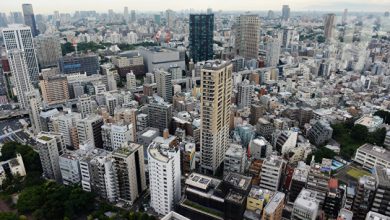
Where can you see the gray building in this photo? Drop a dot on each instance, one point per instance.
(50, 147)
(164, 85)
(162, 58)
(320, 133)
(48, 50)
(159, 115)
(29, 18)
(235, 159)
(381, 203)
(86, 63)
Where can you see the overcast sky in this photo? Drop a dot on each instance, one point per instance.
(48, 6)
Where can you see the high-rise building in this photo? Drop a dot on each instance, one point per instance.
(50, 147)
(320, 133)
(365, 194)
(333, 199)
(164, 85)
(21, 79)
(29, 18)
(133, 16)
(131, 83)
(345, 17)
(329, 26)
(285, 12)
(126, 13)
(248, 36)
(244, 94)
(48, 50)
(19, 37)
(66, 125)
(90, 129)
(381, 203)
(164, 177)
(115, 135)
(274, 208)
(318, 178)
(273, 52)
(216, 87)
(201, 36)
(54, 89)
(272, 173)
(170, 18)
(130, 171)
(85, 105)
(35, 106)
(298, 181)
(159, 115)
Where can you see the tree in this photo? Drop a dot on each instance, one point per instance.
(8, 216)
(144, 216)
(359, 132)
(30, 199)
(132, 216)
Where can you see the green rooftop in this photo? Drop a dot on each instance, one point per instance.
(45, 138)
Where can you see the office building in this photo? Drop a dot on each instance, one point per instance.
(201, 36)
(70, 168)
(285, 12)
(320, 133)
(90, 129)
(164, 85)
(216, 87)
(235, 159)
(66, 125)
(48, 50)
(381, 203)
(273, 210)
(21, 79)
(369, 156)
(54, 89)
(248, 36)
(130, 171)
(76, 63)
(164, 177)
(329, 26)
(129, 61)
(19, 37)
(50, 147)
(271, 175)
(244, 94)
(159, 115)
(365, 194)
(305, 206)
(170, 18)
(29, 18)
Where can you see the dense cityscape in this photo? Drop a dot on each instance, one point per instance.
(194, 114)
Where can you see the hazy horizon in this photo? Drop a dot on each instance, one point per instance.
(66, 6)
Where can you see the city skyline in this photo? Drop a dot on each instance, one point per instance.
(48, 7)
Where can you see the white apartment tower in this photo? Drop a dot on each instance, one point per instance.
(248, 36)
(21, 79)
(50, 147)
(273, 52)
(244, 94)
(19, 37)
(216, 87)
(85, 105)
(271, 173)
(164, 177)
(131, 83)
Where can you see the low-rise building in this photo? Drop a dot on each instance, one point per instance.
(369, 156)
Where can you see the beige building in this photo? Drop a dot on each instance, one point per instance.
(54, 89)
(274, 208)
(248, 36)
(216, 89)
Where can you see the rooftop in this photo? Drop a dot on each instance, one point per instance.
(199, 181)
(215, 64)
(238, 180)
(274, 203)
(307, 199)
(383, 176)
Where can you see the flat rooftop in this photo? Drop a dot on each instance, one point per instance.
(376, 151)
(238, 180)
(274, 203)
(307, 199)
(199, 181)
